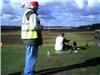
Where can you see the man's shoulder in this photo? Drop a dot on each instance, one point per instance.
(60, 37)
(28, 11)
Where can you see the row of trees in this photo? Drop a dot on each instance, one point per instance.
(90, 27)
(87, 27)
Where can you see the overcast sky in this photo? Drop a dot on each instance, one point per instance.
(53, 12)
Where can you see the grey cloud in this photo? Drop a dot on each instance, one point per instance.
(14, 14)
(58, 13)
(73, 13)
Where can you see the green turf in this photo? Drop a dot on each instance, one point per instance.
(13, 59)
(13, 55)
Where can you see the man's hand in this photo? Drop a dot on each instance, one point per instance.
(68, 40)
(41, 27)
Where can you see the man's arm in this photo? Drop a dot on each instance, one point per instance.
(33, 20)
(65, 40)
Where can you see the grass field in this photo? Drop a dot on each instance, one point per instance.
(85, 62)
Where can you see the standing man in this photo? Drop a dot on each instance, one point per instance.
(31, 33)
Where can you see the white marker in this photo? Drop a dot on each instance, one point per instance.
(48, 54)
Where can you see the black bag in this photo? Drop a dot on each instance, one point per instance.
(39, 39)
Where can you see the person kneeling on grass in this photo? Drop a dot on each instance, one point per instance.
(62, 43)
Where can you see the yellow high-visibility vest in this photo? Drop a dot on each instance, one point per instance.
(28, 33)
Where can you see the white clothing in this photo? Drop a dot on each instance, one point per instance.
(33, 20)
(59, 43)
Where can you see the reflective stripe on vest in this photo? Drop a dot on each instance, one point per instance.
(28, 32)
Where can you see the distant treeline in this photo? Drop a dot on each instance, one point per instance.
(5, 28)
(90, 27)
(83, 28)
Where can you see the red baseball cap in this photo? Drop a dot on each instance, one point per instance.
(34, 3)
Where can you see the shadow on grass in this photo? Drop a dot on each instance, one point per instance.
(87, 63)
(17, 73)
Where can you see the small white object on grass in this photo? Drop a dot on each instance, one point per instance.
(48, 53)
(78, 48)
(75, 51)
